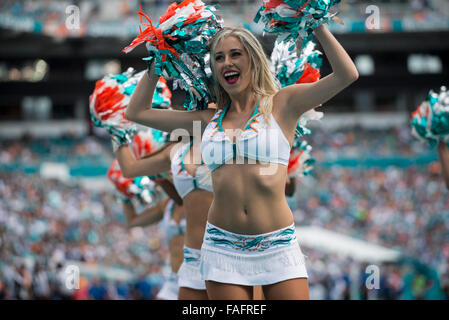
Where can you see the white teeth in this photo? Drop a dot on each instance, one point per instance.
(230, 74)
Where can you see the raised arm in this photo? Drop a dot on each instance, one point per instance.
(443, 154)
(149, 216)
(139, 109)
(170, 190)
(132, 167)
(299, 98)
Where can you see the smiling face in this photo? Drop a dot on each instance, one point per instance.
(240, 68)
(232, 65)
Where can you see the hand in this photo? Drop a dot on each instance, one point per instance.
(338, 20)
(192, 90)
(442, 145)
(153, 53)
(119, 137)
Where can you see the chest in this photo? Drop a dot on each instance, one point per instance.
(234, 125)
(192, 161)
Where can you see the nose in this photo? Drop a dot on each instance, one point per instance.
(228, 60)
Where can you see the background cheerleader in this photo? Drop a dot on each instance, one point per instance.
(430, 123)
(167, 212)
(196, 195)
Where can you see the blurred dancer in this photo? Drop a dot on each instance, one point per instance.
(169, 212)
(107, 105)
(430, 124)
(192, 183)
(172, 220)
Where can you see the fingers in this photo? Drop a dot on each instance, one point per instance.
(338, 20)
(193, 90)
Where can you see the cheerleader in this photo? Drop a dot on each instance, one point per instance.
(107, 104)
(168, 212)
(250, 235)
(170, 217)
(430, 124)
(191, 182)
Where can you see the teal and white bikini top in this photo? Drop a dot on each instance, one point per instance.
(170, 227)
(258, 141)
(183, 181)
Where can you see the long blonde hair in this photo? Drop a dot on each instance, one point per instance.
(263, 82)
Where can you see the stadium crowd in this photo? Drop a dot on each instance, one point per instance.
(119, 17)
(402, 209)
(359, 142)
(65, 149)
(46, 223)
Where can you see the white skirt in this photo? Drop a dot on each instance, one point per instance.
(189, 275)
(170, 289)
(251, 260)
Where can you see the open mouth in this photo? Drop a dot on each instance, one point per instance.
(231, 77)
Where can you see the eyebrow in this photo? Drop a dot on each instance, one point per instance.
(232, 50)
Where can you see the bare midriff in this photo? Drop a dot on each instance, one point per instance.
(250, 198)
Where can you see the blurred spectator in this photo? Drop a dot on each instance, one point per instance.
(83, 292)
(41, 284)
(3, 294)
(22, 283)
(61, 290)
(122, 290)
(98, 290)
(143, 289)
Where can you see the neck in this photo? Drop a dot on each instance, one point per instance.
(243, 102)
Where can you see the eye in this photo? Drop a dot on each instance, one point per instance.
(235, 54)
(219, 57)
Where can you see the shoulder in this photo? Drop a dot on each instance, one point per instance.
(207, 114)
